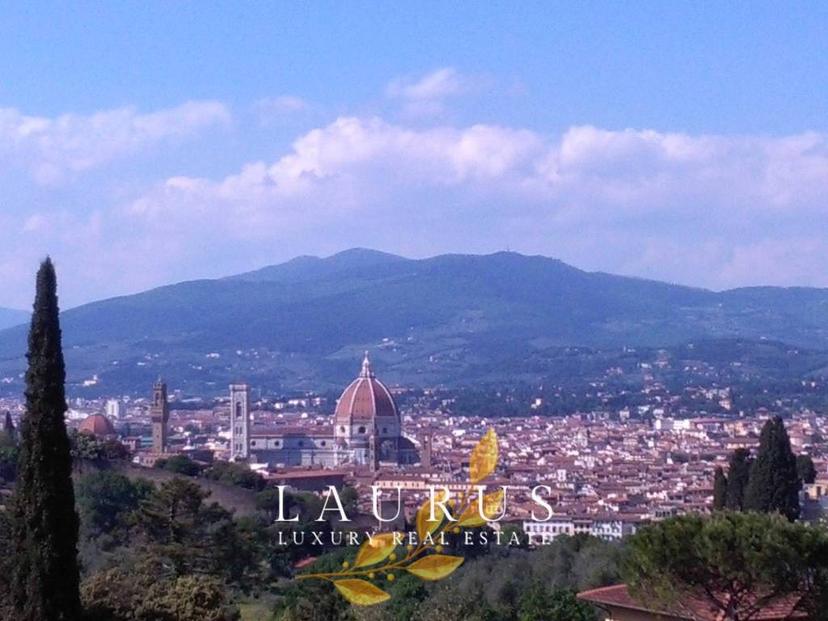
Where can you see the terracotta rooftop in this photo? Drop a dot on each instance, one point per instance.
(98, 425)
(693, 609)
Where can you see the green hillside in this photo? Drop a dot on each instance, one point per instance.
(303, 324)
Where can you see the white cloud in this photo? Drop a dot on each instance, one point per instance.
(630, 172)
(50, 148)
(637, 201)
(349, 162)
(438, 84)
(709, 210)
(272, 109)
(426, 95)
(282, 104)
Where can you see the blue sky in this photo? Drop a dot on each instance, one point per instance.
(145, 143)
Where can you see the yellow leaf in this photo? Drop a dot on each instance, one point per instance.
(435, 566)
(484, 457)
(375, 549)
(360, 592)
(491, 508)
(425, 525)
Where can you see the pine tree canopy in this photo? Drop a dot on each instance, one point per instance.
(740, 564)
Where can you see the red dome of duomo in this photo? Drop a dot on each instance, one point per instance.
(365, 399)
(97, 425)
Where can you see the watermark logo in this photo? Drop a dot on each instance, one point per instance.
(383, 555)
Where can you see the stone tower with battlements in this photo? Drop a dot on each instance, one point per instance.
(160, 415)
(425, 453)
(239, 421)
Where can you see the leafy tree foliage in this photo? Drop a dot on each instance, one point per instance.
(8, 426)
(8, 459)
(539, 603)
(349, 497)
(408, 594)
(317, 602)
(239, 475)
(106, 501)
(191, 536)
(774, 481)
(7, 562)
(508, 584)
(86, 446)
(193, 598)
(172, 555)
(268, 501)
(738, 563)
(179, 464)
(8, 450)
(142, 593)
(44, 529)
(512, 531)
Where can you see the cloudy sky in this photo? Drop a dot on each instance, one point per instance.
(145, 145)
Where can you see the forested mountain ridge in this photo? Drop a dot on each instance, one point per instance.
(448, 318)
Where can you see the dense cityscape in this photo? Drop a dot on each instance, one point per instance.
(609, 470)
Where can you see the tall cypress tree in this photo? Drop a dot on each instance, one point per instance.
(8, 426)
(806, 469)
(774, 481)
(719, 489)
(738, 475)
(45, 578)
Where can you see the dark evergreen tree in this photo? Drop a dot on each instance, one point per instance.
(738, 475)
(44, 530)
(774, 481)
(719, 489)
(8, 426)
(188, 535)
(806, 469)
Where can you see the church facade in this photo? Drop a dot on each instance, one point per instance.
(366, 431)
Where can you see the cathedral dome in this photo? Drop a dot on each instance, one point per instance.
(98, 425)
(365, 399)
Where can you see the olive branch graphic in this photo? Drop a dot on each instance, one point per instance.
(376, 556)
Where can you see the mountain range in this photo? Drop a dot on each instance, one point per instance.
(303, 324)
(11, 317)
